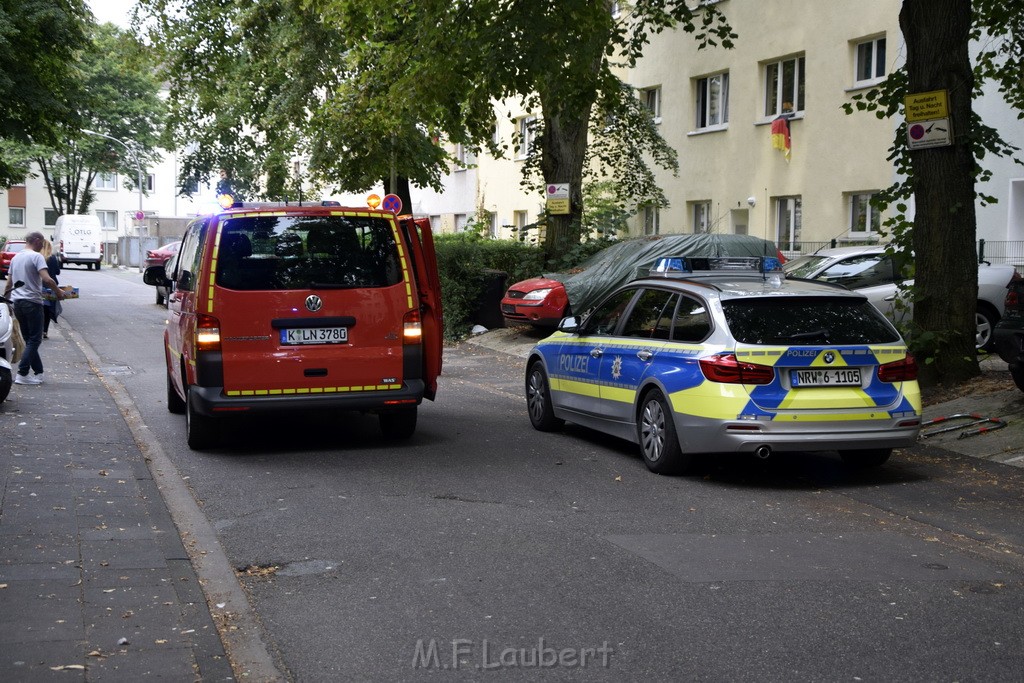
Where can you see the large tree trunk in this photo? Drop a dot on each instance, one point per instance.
(563, 151)
(946, 276)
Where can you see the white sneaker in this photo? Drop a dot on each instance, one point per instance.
(25, 379)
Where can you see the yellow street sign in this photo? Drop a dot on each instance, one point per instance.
(926, 105)
(558, 207)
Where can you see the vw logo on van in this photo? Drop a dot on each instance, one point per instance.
(313, 303)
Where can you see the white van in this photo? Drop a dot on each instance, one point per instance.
(79, 239)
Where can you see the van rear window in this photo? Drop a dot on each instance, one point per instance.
(307, 252)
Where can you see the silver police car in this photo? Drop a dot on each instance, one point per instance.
(723, 355)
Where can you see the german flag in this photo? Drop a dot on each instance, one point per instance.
(780, 135)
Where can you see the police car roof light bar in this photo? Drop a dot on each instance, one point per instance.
(682, 265)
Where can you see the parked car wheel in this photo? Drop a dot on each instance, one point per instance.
(870, 457)
(538, 400)
(987, 319)
(201, 431)
(656, 432)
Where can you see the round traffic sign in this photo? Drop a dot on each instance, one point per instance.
(917, 131)
(392, 203)
(139, 215)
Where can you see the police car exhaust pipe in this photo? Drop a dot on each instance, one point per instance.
(763, 452)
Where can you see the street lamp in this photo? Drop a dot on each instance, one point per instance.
(138, 167)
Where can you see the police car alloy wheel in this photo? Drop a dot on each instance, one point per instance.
(656, 433)
(538, 400)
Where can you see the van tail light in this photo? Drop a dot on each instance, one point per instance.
(207, 333)
(727, 369)
(904, 370)
(412, 328)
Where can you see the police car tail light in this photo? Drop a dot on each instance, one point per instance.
(727, 369)
(207, 333)
(904, 370)
(412, 328)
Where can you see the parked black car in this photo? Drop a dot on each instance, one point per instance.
(1009, 333)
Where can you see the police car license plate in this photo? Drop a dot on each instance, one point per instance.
(315, 335)
(822, 377)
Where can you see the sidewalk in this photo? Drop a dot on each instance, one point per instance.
(95, 583)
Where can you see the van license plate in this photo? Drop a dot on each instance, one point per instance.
(315, 335)
(821, 377)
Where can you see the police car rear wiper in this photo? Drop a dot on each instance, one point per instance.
(813, 334)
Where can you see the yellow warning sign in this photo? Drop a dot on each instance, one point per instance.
(558, 207)
(926, 105)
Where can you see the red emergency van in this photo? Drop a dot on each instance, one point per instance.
(297, 307)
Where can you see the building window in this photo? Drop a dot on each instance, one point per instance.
(864, 218)
(713, 101)
(435, 223)
(701, 217)
(150, 182)
(464, 157)
(784, 87)
(491, 220)
(870, 62)
(651, 99)
(787, 223)
(16, 217)
(616, 9)
(105, 181)
(49, 217)
(108, 219)
(652, 220)
(527, 135)
(519, 220)
(460, 222)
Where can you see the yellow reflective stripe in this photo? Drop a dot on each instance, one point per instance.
(404, 261)
(310, 390)
(213, 269)
(711, 400)
(574, 387)
(618, 394)
(824, 398)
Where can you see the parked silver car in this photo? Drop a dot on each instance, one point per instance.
(870, 271)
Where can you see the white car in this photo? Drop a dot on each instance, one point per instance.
(870, 271)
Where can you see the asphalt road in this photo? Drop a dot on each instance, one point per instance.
(482, 548)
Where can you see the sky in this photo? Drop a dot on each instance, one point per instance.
(114, 11)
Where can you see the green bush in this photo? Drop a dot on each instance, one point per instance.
(462, 260)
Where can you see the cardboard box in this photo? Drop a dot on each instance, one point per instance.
(69, 292)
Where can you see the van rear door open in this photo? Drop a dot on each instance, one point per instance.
(418, 235)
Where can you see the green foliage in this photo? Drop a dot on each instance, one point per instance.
(367, 90)
(603, 215)
(462, 261)
(998, 32)
(39, 44)
(118, 97)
